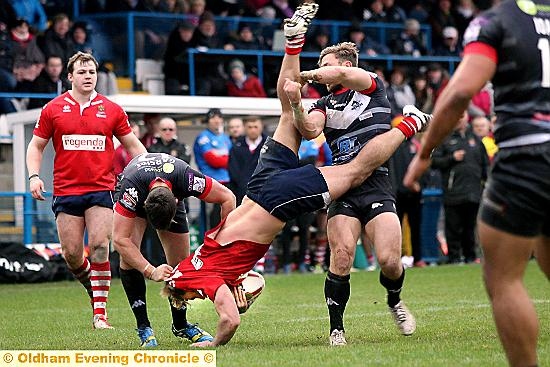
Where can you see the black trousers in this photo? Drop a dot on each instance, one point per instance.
(460, 223)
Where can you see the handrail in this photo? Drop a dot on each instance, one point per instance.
(28, 212)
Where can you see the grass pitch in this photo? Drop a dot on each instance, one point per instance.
(288, 324)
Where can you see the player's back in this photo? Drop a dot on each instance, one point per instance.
(519, 32)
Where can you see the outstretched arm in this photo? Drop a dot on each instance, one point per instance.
(229, 318)
(350, 77)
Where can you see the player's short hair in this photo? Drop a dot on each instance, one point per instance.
(82, 58)
(160, 207)
(344, 51)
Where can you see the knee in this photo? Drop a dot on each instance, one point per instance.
(73, 259)
(342, 259)
(391, 265)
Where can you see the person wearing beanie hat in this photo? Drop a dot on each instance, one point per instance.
(241, 84)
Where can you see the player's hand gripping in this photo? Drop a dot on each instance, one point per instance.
(160, 273)
(240, 299)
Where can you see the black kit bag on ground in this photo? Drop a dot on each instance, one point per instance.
(18, 264)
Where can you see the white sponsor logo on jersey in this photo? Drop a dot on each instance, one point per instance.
(199, 184)
(84, 142)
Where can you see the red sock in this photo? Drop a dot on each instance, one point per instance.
(100, 277)
(82, 274)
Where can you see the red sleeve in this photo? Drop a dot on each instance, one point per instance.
(123, 211)
(216, 161)
(481, 48)
(43, 127)
(207, 189)
(371, 89)
(122, 125)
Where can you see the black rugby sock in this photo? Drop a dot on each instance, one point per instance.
(134, 287)
(393, 287)
(337, 291)
(179, 317)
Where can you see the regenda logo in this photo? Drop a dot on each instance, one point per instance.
(84, 142)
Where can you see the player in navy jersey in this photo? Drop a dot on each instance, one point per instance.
(509, 45)
(152, 187)
(279, 190)
(356, 110)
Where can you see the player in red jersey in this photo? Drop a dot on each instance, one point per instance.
(279, 190)
(81, 124)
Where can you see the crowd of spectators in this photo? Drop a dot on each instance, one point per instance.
(31, 32)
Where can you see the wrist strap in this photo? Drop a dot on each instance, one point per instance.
(33, 176)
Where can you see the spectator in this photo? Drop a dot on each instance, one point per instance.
(235, 128)
(79, 35)
(423, 93)
(394, 13)
(176, 62)
(437, 79)
(450, 46)
(50, 80)
(241, 84)
(24, 47)
(482, 103)
(410, 41)
(205, 37)
(197, 9)
(168, 142)
(481, 126)
(122, 156)
(375, 12)
(366, 44)
(244, 155)
(7, 79)
(244, 40)
(56, 40)
(442, 16)
(407, 201)
(152, 130)
(463, 162)
(399, 92)
(211, 151)
(32, 11)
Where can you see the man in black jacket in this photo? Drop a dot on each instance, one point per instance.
(244, 155)
(463, 162)
(50, 80)
(167, 143)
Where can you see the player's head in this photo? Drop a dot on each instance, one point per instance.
(178, 298)
(81, 58)
(341, 54)
(160, 207)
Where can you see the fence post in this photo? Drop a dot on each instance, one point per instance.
(27, 218)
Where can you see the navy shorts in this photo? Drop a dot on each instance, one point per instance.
(517, 195)
(282, 187)
(365, 202)
(77, 204)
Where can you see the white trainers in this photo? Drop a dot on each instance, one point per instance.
(403, 318)
(297, 25)
(420, 117)
(100, 322)
(337, 338)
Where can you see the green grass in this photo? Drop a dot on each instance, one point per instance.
(288, 325)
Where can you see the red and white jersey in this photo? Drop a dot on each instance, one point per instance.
(82, 138)
(213, 265)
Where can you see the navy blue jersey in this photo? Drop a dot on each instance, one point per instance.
(517, 34)
(144, 169)
(353, 118)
